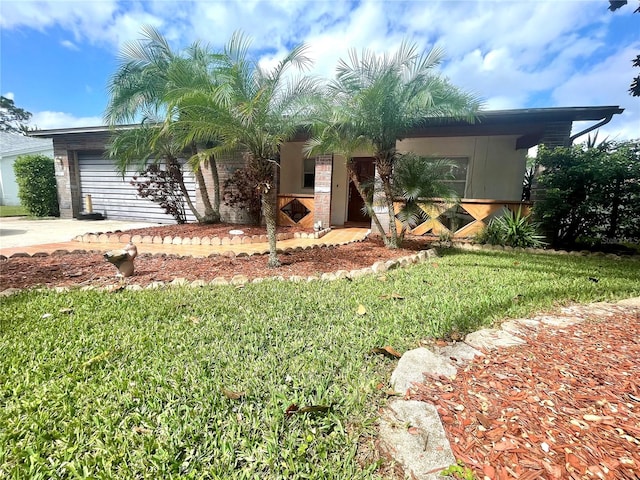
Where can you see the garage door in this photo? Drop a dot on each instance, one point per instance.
(114, 196)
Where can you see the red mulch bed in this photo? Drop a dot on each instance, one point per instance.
(566, 405)
(213, 230)
(90, 268)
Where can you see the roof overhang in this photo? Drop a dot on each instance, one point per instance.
(66, 131)
(528, 124)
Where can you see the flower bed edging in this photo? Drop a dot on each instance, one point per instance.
(238, 280)
(123, 237)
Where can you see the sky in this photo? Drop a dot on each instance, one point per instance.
(57, 56)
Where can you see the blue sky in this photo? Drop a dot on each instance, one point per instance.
(57, 55)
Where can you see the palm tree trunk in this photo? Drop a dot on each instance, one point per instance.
(356, 183)
(384, 167)
(204, 195)
(213, 165)
(269, 198)
(185, 194)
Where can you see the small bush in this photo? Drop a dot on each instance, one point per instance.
(35, 176)
(163, 187)
(511, 229)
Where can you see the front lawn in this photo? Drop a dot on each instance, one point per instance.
(196, 383)
(12, 211)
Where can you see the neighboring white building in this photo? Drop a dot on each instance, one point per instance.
(11, 147)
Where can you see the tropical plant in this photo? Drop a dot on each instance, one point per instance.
(251, 109)
(420, 181)
(381, 98)
(37, 190)
(512, 229)
(139, 88)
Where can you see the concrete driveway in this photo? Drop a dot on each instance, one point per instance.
(23, 231)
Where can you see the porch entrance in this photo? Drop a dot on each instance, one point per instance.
(365, 169)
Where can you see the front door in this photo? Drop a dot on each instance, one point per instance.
(365, 170)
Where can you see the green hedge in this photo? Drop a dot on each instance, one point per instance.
(35, 175)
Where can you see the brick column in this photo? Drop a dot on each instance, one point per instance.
(322, 190)
(65, 164)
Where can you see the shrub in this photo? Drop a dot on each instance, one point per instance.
(35, 176)
(511, 229)
(163, 187)
(590, 192)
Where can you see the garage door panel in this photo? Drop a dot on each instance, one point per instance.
(113, 195)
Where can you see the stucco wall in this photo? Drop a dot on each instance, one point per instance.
(495, 170)
(291, 165)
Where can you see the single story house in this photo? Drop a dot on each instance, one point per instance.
(13, 145)
(490, 155)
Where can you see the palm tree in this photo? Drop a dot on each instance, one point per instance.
(383, 97)
(254, 110)
(140, 86)
(421, 181)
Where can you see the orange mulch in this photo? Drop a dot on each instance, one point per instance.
(564, 406)
(90, 268)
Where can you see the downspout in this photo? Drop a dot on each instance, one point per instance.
(606, 120)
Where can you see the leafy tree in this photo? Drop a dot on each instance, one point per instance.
(251, 109)
(37, 190)
(382, 98)
(591, 193)
(12, 118)
(140, 87)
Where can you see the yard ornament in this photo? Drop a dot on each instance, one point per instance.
(123, 259)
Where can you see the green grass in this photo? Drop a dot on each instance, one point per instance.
(131, 384)
(12, 211)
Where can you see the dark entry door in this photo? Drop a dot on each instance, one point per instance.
(365, 169)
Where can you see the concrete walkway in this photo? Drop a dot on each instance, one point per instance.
(334, 237)
(25, 231)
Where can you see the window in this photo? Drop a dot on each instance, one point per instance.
(309, 173)
(459, 171)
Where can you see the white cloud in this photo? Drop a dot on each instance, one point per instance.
(48, 120)
(9, 95)
(69, 44)
(513, 54)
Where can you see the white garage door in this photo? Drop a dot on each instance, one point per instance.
(114, 196)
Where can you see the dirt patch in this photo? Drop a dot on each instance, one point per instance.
(90, 268)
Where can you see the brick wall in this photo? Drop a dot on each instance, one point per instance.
(322, 190)
(227, 165)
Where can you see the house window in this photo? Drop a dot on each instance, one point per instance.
(459, 167)
(309, 173)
